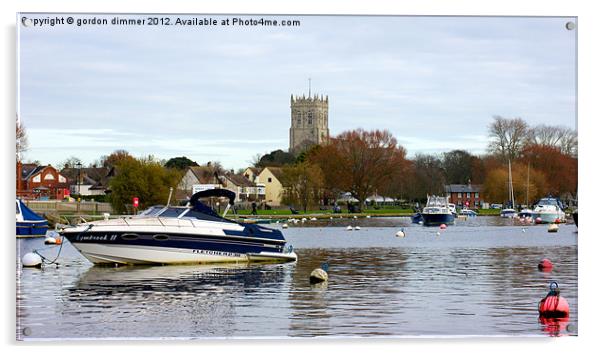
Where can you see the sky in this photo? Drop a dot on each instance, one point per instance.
(222, 93)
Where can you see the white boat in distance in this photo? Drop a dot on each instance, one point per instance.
(548, 211)
(509, 212)
(178, 235)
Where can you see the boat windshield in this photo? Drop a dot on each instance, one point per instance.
(547, 201)
(152, 211)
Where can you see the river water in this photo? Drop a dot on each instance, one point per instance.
(478, 277)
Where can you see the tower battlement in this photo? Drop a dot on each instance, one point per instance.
(309, 121)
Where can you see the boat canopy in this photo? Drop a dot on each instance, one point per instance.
(217, 192)
(28, 214)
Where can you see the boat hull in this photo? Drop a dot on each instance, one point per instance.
(25, 228)
(168, 248)
(437, 219)
(549, 218)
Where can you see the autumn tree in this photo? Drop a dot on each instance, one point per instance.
(302, 183)
(115, 158)
(360, 162)
(144, 178)
(559, 168)
(508, 137)
(528, 185)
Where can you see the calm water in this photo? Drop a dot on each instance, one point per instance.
(478, 277)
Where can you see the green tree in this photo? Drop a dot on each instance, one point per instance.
(146, 179)
(276, 158)
(180, 163)
(302, 183)
(457, 166)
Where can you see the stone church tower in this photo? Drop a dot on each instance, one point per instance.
(309, 122)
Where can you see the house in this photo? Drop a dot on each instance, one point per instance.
(199, 178)
(251, 173)
(461, 194)
(269, 178)
(40, 182)
(245, 189)
(88, 181)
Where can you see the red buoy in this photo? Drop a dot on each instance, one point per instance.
(545, 265)
(557, 221)
(554, 305)
(538, 220)
(443, 226)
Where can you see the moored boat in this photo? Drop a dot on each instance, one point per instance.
(174, 235)
(549, 210)
(29, 224)
(437, 212)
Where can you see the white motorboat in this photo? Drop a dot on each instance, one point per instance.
(176, 235)
(549, 210)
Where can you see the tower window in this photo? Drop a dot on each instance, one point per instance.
(310, 118)
(299, 118)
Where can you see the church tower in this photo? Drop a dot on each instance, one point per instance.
(309, 122)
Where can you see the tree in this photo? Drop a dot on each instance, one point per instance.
(509, 137)
(458, 166)
(276, 158)
(429, 176)
(555, 136)
(496, 185)
(302, 183)
(115, 158)
(180, 163)
(559, 168)
(360, 162)
(21, 139)
(71, 162)
(143, 178)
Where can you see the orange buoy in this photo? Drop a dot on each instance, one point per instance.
(443, 226)
(545, 265)
(554, 305)
(58, 240)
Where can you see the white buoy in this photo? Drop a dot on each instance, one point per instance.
(32, 260)
(318, 275)
(553, 228)
(349, 228)
(400, 233)
(368, 216)
(106, 216)
(303, 220)
(355, 216)
(49, 240)
(285, 226)
(331, 218)
(524, 230)
(277, 221)
(358, 228)
(438, 233)
(420, 222)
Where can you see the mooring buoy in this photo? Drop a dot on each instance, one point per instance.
(553, 228)
(358, 228)
(400, 233)
(49, 240)
(545, 265)
(349, 228)
(554, 305)
(319, 275)
(31, 260)
(285, 226)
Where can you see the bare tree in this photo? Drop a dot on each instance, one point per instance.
(509, 136)
(560, 137)
(21, 138)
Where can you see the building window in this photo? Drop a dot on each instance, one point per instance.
(476, 194)
(310, 118)
(299, 119)
(468, 195)
(269, 179)
(459, 195)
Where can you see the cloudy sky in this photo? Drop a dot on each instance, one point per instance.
(222, 93)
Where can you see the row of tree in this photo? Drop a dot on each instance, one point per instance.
(544, 161)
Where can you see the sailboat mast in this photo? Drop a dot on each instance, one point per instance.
(511, 189)
(528, 167)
